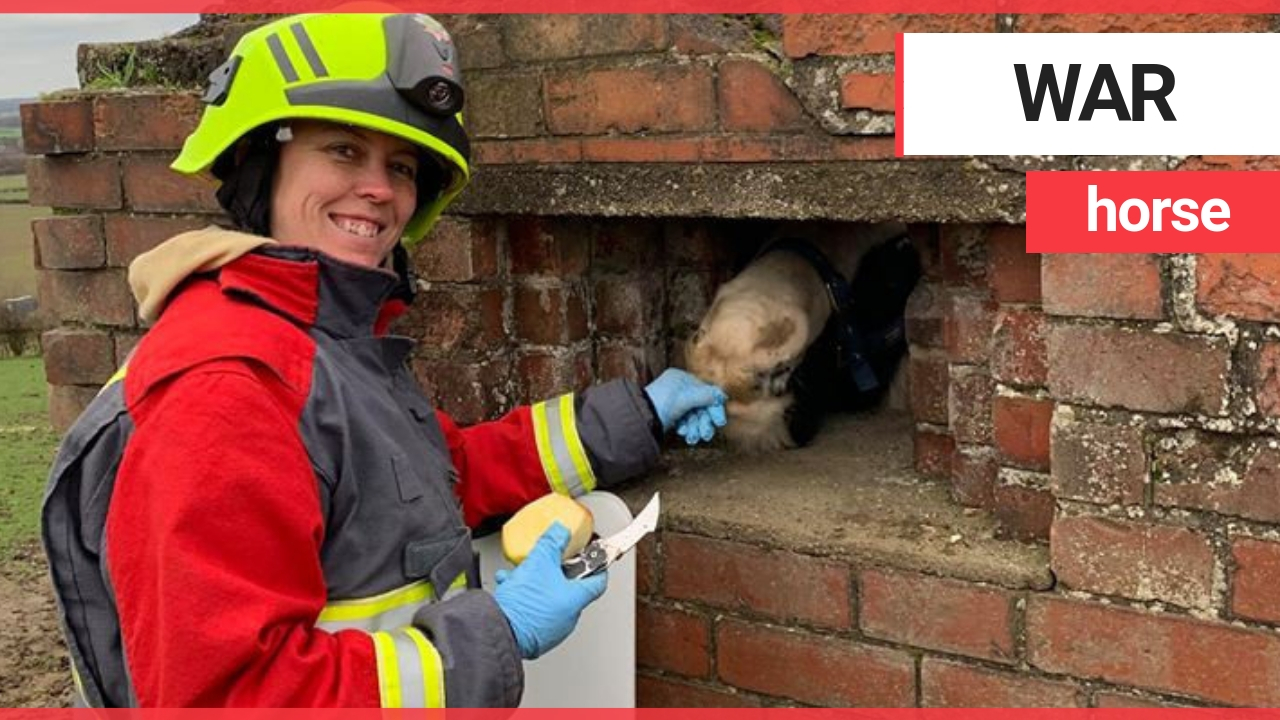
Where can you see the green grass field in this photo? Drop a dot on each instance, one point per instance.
(17, 263)
(10, 132)
(27, 445)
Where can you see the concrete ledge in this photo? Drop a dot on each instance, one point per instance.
(852, 496)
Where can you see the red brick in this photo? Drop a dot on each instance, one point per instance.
(1104, 464)
(964, 255)
(469, 391)
(1021, 431)
(673, 640)
(90, 182)
(66, 402)
(1086, 284)
(1159, 652)
(624, 246)
(125, 343)
(1138, 370)
(1227, 474)
(543, 246)
(128, 236)
(523, 152)
(1144, 23)
(603, 101)
(878, 91)
(968, 328)
(458, 318)
(753, 99)
(99, 296)
(640, 362)
(969, 400)
(662, 692)
(813, 669)
(1267, 371)
(559, 37)
(549, 313)
(951, 684)
(607, 149)
(77, 357)
(1255, 579)
(973, 475)
(1241, 285)
(934, 453)
(695, 244)
(784, 586)
(688, 297)
(150, 186)
(858, 34)
(937, 614)
(1136, 560)
(928, 384)
(627, 306)
(504, 105)
(1014, 272)
(1018, 351)
(544, 374)
(1125, 700)
(1025, 512)
(1231, 162)
(458, 250)
(648, 569)
(145, 122)
(926, 316)
(69, 242)
(56, 127)
(483, 46)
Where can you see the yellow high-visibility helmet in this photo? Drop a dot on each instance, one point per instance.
(393, 73)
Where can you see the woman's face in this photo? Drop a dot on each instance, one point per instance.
(345, 191)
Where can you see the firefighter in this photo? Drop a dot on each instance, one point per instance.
(261, 508)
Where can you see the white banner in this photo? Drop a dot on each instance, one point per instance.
(1196, 94)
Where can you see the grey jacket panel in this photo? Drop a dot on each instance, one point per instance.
(479, 652)
(614, 422)
(73, 518)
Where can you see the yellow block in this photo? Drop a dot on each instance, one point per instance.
(524, 528)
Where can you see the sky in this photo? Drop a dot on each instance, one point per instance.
(38, 52)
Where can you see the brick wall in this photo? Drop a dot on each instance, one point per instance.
(1121, 409)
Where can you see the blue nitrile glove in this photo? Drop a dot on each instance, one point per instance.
(693, 407)
(541, 604)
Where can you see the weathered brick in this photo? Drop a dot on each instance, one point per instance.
(928, 382)
(549, 313)
(1127, 700)
(1025, 510)
(521, 152)
(1226, 474)
(547, 246)
(784, 586)
(505, 104)
(859, 34)
(624, 246)
(56, 127)
(933, 453)
(638, 361)
(150, 186)
(75, 356)
(458, 318)
(458, 250)
(66, 402)
(1085, 284)
(969, 397)
(968, 328)
(944, 683)
(1267, 371)
(1014, 272)
(648, 569)
(482, 47)
(753, 99)
(145, 121)
(1241, 285)
(871, 91)
(1018, 350)
(583, 102)
(664, 692)
(1138, 370)
(542, 374)
(69, 242)
(128, 236)
(96, 296)
(937, 614)
(1144, 23)
(689, 295)
(813, 669)
(627, 306)
(555, 36)
(973, 475)
(1136, 560)
(469, 391)
(700, 245)
(1255, 579)
(1097, 463)
(1021, 430)
(126, 341)
(926, 315)
(74, 181)
(964, 255)
(640, 149)
(1160, 652)
(673, 640)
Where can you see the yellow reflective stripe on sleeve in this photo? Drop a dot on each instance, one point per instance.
(388, 670)
(432, 668)
(542, 436)
(365, 608)
(569, 423)
(560, 449)
(410, 672)
(116, 377)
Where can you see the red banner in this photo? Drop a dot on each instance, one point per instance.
(649, 6)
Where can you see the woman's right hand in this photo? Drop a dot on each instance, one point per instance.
(540, 603)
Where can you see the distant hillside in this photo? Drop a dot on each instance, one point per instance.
(9, 111)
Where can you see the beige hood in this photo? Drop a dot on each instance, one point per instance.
(154, 274)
